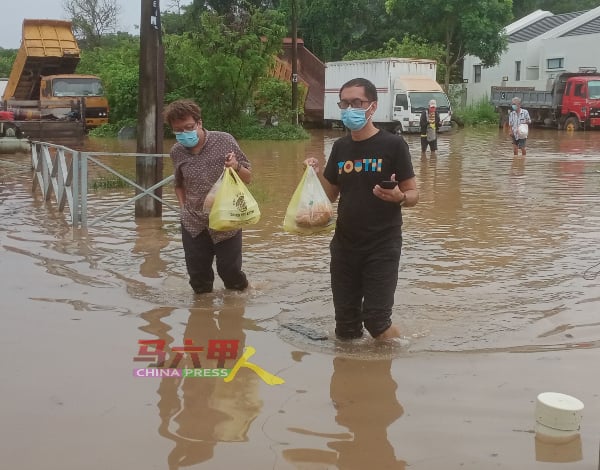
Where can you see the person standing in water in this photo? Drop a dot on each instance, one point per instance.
(366, 246)
(518, 121)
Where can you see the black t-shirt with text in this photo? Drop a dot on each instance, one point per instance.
(364, 220)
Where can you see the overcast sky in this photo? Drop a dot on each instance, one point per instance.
(15, 11)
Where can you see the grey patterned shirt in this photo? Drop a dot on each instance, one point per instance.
(196, 174)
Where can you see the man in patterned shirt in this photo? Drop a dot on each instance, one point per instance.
(199, 157)
(518, 121)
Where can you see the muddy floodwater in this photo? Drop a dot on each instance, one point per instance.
(498, 298)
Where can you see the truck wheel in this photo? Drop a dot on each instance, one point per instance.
(572, 124)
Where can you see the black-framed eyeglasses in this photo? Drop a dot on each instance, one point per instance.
(192, 126)
(357, 103)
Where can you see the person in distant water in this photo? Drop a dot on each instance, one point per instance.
(199, 157)
(518, 121)
(365, 249)
(430, 125)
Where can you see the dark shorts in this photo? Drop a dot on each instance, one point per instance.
(520, 143)
(363, 286)
(424, 143)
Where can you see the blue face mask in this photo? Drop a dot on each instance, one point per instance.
(188, 139)
(355, 118)
(514, 107)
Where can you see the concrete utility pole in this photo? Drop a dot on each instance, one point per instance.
(149, 170)
(295, 60)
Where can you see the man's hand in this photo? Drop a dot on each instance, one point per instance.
(394, 195)
(231, 161)
(312, 161)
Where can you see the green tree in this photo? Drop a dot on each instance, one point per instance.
(273, 98)
(522, 8)
(411, 46)
(7, 57)
(92, 19)
(220, 64)
(332, 28)
(118, 67)
(463, 26)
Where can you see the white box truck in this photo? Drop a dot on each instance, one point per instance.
(404, 89)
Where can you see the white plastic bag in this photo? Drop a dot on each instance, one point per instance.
(523, 131)
(310, 210)
(210, 197)
(431, 134)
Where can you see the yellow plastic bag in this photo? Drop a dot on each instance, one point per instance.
(233, 206)
(310, 210)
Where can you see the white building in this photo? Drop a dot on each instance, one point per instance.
(540, 46)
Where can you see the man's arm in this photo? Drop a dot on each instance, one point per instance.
(331, 190)
(406, 193)
(410, 191)
(180, 193)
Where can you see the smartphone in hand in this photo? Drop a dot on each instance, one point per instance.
(388, 184)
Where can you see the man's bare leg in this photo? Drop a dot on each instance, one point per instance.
(392, 332)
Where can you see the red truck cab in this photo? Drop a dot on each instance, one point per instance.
(580, 104)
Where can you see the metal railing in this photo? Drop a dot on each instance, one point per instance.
(63, 173)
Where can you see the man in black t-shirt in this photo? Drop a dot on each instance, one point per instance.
(366, 247)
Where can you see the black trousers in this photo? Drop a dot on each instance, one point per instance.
(200, 251)
(363, 286)
(425, 143)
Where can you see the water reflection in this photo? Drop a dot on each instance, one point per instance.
(150, 239)
(495, 254)
(364, 396)
(517, 167)
(198, 413)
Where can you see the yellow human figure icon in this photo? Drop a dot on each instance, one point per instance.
(267, 377)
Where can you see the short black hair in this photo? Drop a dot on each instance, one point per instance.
(370, 90)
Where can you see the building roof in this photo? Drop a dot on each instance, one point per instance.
(542, 26)
(590, 27)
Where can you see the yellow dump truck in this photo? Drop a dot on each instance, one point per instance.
(43, 86)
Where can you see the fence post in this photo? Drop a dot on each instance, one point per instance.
(76, 209)
(84, 188)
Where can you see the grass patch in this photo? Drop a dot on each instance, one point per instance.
(246, 129)
(257, 131)
(481, 113)
(110, 182)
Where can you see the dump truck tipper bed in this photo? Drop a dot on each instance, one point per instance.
(48, 47)
(43, 85)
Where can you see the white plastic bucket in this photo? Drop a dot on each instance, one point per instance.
(558, 411)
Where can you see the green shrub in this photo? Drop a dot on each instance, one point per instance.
(481, 113)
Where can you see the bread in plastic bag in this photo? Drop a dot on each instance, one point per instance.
(310, 210)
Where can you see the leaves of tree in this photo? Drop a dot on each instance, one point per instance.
(463, 26)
